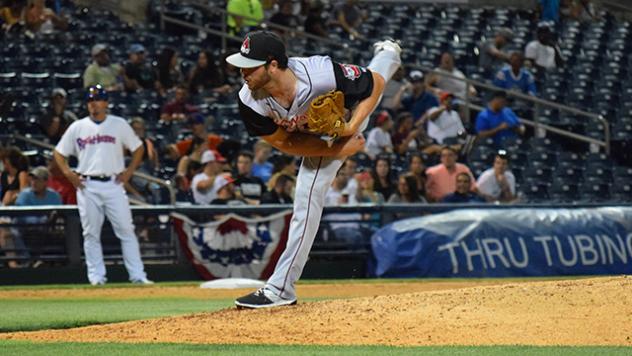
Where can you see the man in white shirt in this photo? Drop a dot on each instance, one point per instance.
(441, 83)
(98, 141)
(379, 139)
(202, 183)
(498, 183)
(543, 52)
(443, 121)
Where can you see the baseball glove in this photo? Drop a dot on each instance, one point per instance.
(325, 115)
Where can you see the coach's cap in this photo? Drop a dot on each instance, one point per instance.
(60, 92)
(505, 32)
(258, 48)
(416, 75)
(98, 48)
(40, 172)
(96, 93)
(211, 156)
(221, 181)
(136, 48)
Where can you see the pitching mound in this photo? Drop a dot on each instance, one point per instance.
(579, 312)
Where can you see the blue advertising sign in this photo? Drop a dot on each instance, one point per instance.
(506, 243)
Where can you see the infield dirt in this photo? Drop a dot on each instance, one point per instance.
(596, 311)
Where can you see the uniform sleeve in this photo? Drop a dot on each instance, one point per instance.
(256, 124)
(130, 140)
(66, 145)
(354, 81)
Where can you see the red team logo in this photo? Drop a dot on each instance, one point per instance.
(351, 71)
(245, 46)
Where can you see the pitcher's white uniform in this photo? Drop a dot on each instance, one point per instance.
(315, 75)
(99, 148)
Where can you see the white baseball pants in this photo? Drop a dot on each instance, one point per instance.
(95, 201)
(314, 179)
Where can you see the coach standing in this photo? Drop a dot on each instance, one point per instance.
(98, 141)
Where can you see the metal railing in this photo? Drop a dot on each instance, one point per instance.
(538, 103)
(163, 183)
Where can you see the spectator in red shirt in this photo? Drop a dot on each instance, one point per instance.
(178, 109)
(192, 148)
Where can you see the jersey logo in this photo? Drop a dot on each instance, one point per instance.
(295, 123)
(245, 46)
(351, 71)
(92, 140)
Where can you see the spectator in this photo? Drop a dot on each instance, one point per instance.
(365, 192)
(38, 194)
(141, 188)
(382, 176)
(349, 17)
(224, 188)
(492, 57)
(202, 185)
(443, 121)
(515, 76)
(56, 119)
(543, 53)
(498, 121)
(441, 83)
(14, 177)
(168, 72)
(283, 164)
(179, 109)
(315, 22)
(405, 137)
(582, 10)
(349, 168)
(406, 191)
(13, 14)
(261, 167)
(101, 71)
(462, 193)
(419, 100)
(441, 178)
(42, 19)
(206, 76)
(282, 191)
(549, 10)
(284, 17)
(138, 75)
(379, 138)
(192, 148)
(417, 169)
(498, 183)
(184, 194)
(251, 188)
(393, 86)
(59, 183)
(244, 16)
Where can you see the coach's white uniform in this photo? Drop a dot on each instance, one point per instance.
(315, 75)
(99, 149)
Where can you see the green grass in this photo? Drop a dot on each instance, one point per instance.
(38, 314)
(99, 349)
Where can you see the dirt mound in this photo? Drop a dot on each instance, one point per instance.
(579, 312)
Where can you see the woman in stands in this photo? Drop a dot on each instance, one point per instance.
(168, 72)
(382, 176)
(206, 76)
(14, 177)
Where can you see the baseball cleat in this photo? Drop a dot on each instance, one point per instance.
(388, 44)
(99, 282)
(142, 281)
(262, 298)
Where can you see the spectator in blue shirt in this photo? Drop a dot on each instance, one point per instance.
(419, 100)
(515, 76)
(498, 121)
(38, 193)
(261, 167)
(463, 193)
(549, 10)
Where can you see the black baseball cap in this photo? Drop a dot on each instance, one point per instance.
(259, 48)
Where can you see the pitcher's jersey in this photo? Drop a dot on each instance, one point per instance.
(99, 146)
(315, 76)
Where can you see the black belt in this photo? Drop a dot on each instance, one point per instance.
(99, 178)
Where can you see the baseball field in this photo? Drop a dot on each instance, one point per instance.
(576, 316)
